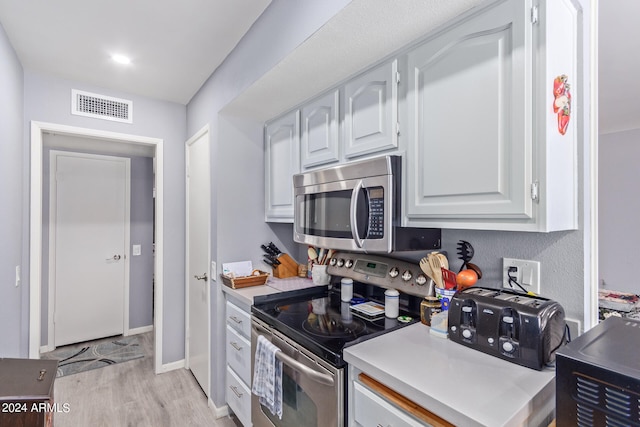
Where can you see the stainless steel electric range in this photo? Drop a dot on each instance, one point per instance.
(312, 327)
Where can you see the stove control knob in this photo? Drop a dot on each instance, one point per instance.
(394, 272)
(333, 262)
(421, 280)
(348, 263)
(340, 262)
(406, 276)
(467, 334)
(508, 347)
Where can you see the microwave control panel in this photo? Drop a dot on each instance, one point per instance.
(386, 272)
(376, 213)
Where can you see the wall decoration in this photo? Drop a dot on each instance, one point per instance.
(562, 102)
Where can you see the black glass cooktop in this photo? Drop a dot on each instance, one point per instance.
(317, 319)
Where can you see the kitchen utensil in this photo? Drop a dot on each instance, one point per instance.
(434, 264)
(465, 253)
(313, 255)
(444, 262)
(425, 267)
(274, 248)
(449, 278)
(267, 250)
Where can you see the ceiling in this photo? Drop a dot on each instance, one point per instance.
(74, 39)
(174, 46)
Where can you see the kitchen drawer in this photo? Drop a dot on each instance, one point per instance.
(371, 410)
(238, 398)
(239, 319)
(239, 354)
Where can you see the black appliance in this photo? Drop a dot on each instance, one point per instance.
(598, 376)
(517, 327)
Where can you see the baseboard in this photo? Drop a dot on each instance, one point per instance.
(171, 366)
(46, 349)
(219, 412)
(140, 330)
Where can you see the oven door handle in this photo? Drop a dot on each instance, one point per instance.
(354, 213)
(311, 373)
(295, 365)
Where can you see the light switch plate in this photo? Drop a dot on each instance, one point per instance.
(528, 274)
(214, 271)
(137, 250)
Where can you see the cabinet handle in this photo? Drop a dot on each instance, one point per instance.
(234, 389)
(235, 345)
(235, 319)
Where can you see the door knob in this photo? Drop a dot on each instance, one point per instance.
(115, 258)
(203, 277)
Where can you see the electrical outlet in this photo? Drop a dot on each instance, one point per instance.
(214, 271)
(527, 274)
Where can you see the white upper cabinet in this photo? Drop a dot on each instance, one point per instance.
(282, 161)
(320, 131)
(371, 111)
(477, 150)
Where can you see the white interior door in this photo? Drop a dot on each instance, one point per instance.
(89, 238)
(198, 280)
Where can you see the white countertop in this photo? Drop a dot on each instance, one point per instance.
(245, 296)
(464, 386)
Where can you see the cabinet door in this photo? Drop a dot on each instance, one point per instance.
(282, 161)
(320, 135)
(371, 111)
(469, 102)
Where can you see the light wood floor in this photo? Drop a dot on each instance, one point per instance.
(130, 394)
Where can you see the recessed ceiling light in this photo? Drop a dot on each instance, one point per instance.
(121, 59)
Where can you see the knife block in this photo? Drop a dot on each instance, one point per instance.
(287, 268)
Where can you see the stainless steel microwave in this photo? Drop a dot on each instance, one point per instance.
(356, 207)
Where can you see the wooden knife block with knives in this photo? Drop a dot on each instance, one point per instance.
(287, 267)
(282, 264)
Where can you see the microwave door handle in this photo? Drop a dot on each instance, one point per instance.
(354, 213)
(311, 373)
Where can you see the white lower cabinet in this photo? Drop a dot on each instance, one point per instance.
(239, 397)
(371, 410)
(238, 351)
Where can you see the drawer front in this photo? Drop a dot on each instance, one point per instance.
(239, 319)
(239, 354)
(370, 410)
(238, 398)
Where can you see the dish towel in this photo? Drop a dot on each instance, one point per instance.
(267, 376)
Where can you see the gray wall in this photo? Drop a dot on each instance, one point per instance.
(619, 204)
(48, 99)
(13, 342)
(141, 232)
(237, 202)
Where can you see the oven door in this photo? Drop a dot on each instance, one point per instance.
(312, 390)
(355, 215)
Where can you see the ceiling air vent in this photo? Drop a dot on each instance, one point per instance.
(101, 107)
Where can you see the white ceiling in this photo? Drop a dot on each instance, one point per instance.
(174, 45)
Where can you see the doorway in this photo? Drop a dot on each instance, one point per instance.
(116, 142)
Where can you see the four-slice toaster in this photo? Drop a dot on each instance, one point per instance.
(517, 327)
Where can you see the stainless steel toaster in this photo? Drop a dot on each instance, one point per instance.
(517, 327)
